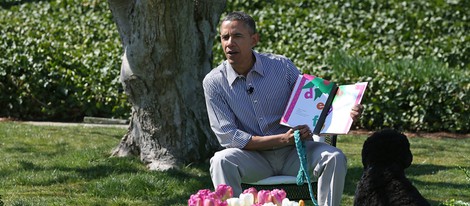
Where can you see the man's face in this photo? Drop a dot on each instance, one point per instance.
(237, 42)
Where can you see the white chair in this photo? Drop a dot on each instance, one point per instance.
(289, 183)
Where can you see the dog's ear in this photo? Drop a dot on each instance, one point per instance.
(368, 151)
(401, 149)
(405, 151)
(365, 153)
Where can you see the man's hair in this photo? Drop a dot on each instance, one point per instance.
(241, 16)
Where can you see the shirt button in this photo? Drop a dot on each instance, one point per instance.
(256, 101)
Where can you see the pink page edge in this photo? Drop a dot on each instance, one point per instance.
(294, 100)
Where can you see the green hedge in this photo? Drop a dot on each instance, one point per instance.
(60, 59)
(307, 31)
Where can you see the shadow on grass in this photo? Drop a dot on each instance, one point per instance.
(107, 135)
(354, 174)
(198, 182)
(63, 174)
(59, 148)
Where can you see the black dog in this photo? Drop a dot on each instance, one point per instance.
(385, 156)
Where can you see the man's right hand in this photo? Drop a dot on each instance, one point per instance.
(279, 140)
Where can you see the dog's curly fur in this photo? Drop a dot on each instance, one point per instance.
(385, 156)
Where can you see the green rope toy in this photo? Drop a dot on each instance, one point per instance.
(303, 171)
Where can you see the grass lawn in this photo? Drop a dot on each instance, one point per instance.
(70, 165)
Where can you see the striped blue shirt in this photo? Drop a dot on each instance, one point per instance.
(236, 112)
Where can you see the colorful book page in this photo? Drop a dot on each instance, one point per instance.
(338, 120)
(306, 101)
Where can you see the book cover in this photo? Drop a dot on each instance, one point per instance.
(322, 105)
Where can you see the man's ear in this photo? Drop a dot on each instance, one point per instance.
(254, 40)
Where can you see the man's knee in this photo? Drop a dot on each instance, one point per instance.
(338, 158)
(223, 157)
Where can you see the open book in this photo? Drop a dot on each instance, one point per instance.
(322, 105)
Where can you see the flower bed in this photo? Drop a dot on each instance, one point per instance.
(223, 196)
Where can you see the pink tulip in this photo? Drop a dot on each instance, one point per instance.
(210, 202)
(224, 192)
(203, 193)
(212, 199)
(277, 196)
(223, 203)
(198, 198)
(195, 200)
(212, 195)
(253, 191)
(264, 196)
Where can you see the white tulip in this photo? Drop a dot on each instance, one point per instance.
(246, 199)
(232, 201)
(286, 202)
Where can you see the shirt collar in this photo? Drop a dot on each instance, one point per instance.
(232, 75)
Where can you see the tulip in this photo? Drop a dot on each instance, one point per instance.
(213, 200)
(222, 203)
(287, 202)
(277, 196)
(212, 195)
(246, 199)
(195, 200)
(233, 201)
(210, 202)
(198, 198)
(253, 191)
(224, 192)
(264, 196)
(203, 193)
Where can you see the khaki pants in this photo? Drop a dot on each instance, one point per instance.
(233, 166)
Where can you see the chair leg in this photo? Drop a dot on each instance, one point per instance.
(333, 140)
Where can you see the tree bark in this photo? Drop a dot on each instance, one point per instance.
(167, 51)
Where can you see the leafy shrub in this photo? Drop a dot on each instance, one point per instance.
(453, 202)
(60, 61)
(307, 31)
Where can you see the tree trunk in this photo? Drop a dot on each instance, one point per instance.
(167, 51)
